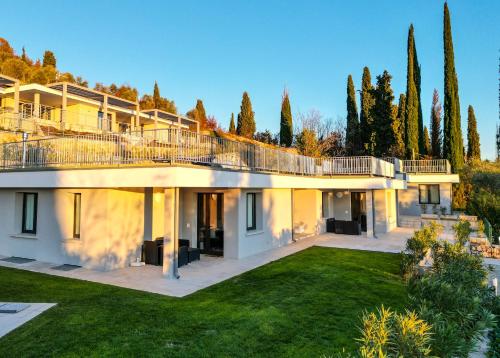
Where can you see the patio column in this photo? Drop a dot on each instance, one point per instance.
(17, 116)
(137, 116)
(36, 101)
(64, 105)
(370, 220)
(107, 125)
(171, 235)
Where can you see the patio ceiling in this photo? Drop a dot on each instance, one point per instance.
(168, 116)
(6, 81)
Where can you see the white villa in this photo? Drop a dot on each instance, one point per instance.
(102, 199)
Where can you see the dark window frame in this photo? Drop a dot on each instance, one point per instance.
(253, 224)
(428, 201)
(76, 235)
(35, 214)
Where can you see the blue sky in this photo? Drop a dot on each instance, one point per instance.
(215, 50)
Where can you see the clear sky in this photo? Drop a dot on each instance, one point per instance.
(215, 50)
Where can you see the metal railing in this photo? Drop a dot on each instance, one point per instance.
(426, 166)
(179, 146)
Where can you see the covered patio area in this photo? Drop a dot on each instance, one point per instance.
(211, 270)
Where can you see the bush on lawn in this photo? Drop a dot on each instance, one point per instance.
(417, 247)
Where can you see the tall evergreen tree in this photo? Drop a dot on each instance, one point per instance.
(286, 122)
(156, 96)
(201, 114)
(352, 128)
(365, 118)
(411, 125)
(427, 142)
(383, 115)
(401, 118)
(232, 127)
(49, 59)
(473, 146)
(436, 125)
(246, 120)
(452, 134)
(418, 80)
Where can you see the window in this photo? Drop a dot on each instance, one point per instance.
(428, 194)
(30, 202)
(102, 123)
(325, 212)
(77, 210)
(251, 211)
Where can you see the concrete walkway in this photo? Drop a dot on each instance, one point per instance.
(211, 270)
(10, 321)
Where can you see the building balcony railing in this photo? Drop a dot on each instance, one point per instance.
(174, 146)
(426, 166)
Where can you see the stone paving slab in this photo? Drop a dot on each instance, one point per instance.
(10, 321)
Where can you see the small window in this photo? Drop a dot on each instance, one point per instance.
(77, 210)
(251, 211)
(428, 194)
(30, 202)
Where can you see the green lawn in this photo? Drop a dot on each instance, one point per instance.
(304, 305)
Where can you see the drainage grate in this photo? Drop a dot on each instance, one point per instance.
(65, 267)
(12, 307)
(17, 260)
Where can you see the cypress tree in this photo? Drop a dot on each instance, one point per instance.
(427, 142)
(436, 125)
(417, 79)
(232, 127)
(452, 133)
(246, 120)
(156, 96)
(383, 115)
(352, 129)
(365, 118)
(201, 114)
(401, 118)
(286, 122)
(49, 59)
(473, 147)
(411, 118)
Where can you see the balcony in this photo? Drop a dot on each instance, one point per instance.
(426, 166)
(174, 146)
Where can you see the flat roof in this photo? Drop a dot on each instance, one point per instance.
(167, 116)
(93, 94)
(6, 81)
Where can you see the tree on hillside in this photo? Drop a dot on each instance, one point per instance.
(401, 118)
(246, 120)
(436, 125)
(307, 143)
(365, 118)
(49, 59)
(198, 114)
(286, 122)
(352, 128)
(383, 115)
(232, 126)
(452, 133)
(17, 68)
(473, 146)
(6, 50)
(427, 142)
(418, 80)
(156, 95)
(266, 137)
(411, 118)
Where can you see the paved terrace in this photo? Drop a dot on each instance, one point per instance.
(211, 270)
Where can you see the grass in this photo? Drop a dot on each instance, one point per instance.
(303, 305)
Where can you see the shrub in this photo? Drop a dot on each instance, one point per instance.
(389, 334)
(462, 231)
(455, 299)
(417, 247)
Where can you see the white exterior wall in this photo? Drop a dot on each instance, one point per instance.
(408, 199)
(307, 208)
(385, 210)
(112, 227)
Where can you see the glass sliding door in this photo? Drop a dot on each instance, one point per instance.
(211, 223)
(358, 208)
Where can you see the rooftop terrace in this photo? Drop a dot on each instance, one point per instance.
(181, 147)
